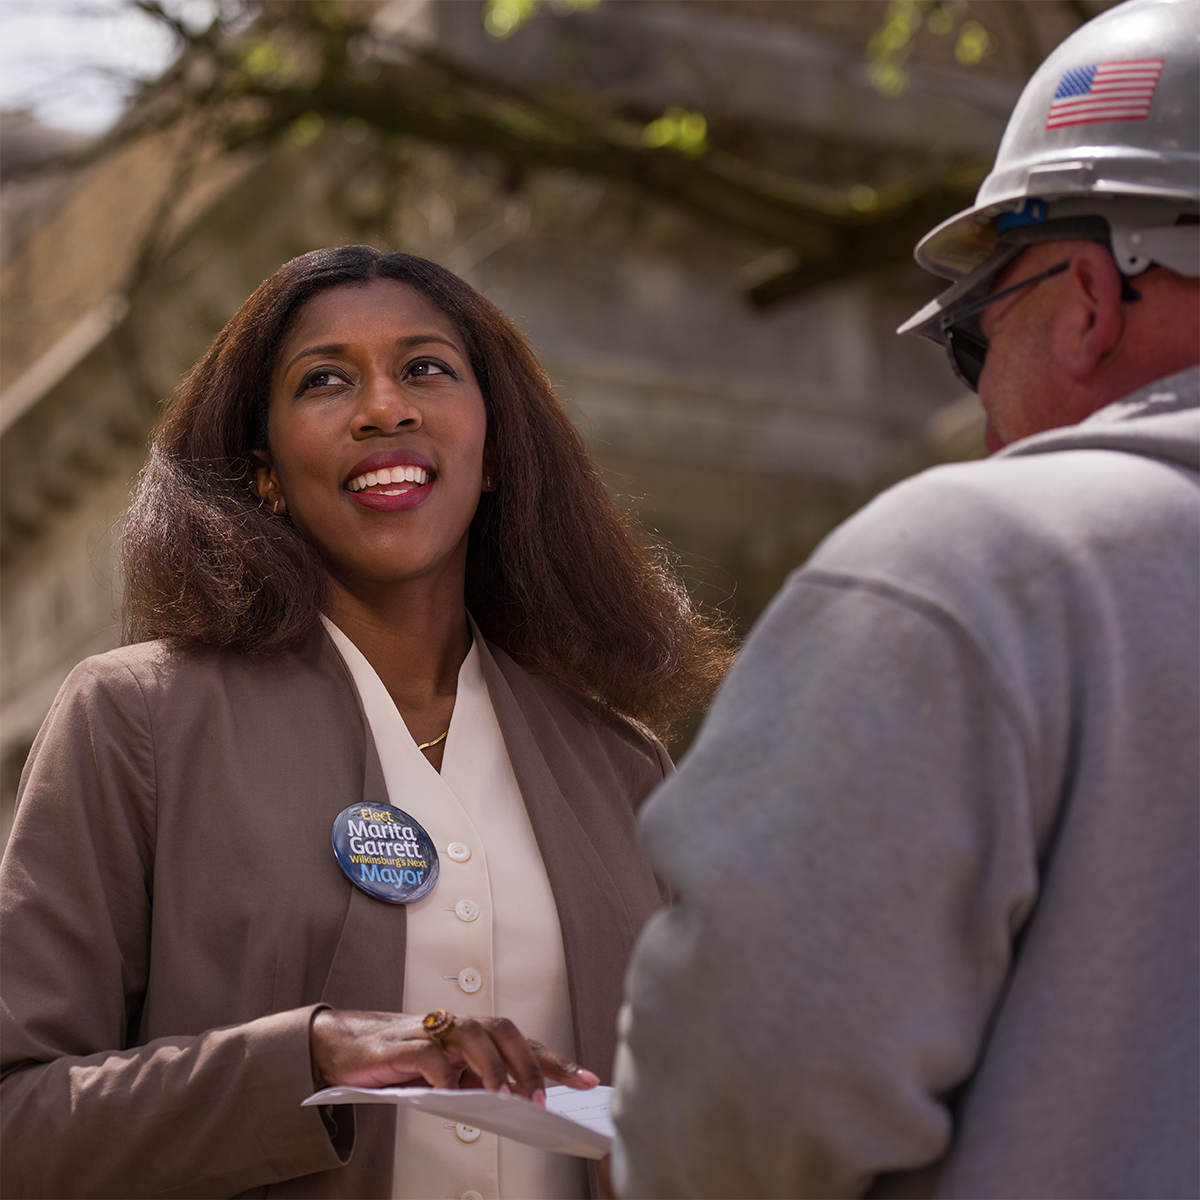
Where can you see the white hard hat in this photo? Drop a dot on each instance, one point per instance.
(1104, 142)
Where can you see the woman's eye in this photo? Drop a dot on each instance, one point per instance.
(322, 377)
(424, 367)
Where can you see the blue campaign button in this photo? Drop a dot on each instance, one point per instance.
(385, 852)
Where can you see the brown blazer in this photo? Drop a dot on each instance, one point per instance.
(173, 912)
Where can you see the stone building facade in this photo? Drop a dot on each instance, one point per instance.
(738, 436)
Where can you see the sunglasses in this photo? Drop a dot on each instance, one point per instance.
(965, 342)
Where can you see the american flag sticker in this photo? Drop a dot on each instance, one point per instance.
(1107, 91)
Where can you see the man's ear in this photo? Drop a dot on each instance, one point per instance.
(266, 482)
(1095, 319)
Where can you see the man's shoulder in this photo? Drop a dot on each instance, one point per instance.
(1022, 533)
(1020, 504)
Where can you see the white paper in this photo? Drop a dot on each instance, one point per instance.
(573, 1122)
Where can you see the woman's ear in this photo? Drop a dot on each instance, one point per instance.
(491, 480)
(266, 482)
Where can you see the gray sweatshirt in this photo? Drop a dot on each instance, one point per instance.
(937, 846)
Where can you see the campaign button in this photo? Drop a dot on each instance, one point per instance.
(385, 852)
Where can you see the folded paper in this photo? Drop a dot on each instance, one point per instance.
(573, 1122)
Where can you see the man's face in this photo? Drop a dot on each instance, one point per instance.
(1018, 388)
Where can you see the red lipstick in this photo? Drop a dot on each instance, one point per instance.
(405, 494)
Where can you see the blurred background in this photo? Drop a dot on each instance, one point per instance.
(701, 212)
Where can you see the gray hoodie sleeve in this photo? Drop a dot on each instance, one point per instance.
(801, 1020)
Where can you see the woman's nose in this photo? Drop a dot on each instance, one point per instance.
(385, 408)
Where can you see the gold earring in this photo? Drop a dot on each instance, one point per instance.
(275, 509)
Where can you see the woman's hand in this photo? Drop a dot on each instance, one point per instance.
(376, 1049)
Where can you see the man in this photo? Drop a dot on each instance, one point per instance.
(937, 842)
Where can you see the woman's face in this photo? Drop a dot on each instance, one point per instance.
(378, 435)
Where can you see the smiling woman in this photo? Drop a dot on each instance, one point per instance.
(554, 573)
(367, 779)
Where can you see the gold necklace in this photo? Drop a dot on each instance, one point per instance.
(426, 745)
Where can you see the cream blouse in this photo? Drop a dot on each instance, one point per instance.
(486, 941)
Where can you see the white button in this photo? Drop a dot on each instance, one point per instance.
(466, 910)
(466, 1133)
(470, 979)
(459, 851)
(472, 1195)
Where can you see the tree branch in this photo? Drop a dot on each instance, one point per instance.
(441, 103)
(429, 96)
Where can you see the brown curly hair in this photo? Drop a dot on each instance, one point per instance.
(556, 574)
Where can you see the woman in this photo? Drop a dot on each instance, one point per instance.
(383, 584)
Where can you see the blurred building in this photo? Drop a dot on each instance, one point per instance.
(738, 435)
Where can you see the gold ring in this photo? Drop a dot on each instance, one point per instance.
(437, 1023)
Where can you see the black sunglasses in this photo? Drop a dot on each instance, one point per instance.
(966, 345)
